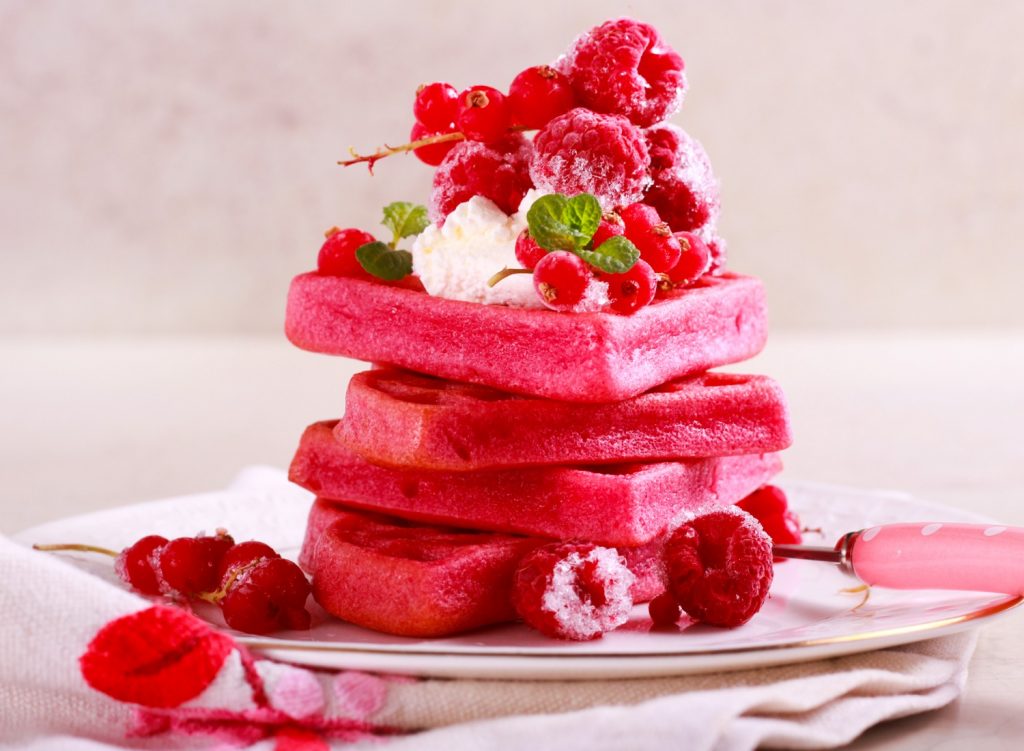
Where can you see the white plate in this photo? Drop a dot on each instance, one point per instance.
(807, 617)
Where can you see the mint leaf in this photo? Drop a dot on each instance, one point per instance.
(583, 215)
(405, 219)
(547, 226)
(616, 255)
(384, 262)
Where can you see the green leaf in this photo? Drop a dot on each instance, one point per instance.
(384, 262)
(583, 214)
(405, 219)
(616, 255)
(546, 225)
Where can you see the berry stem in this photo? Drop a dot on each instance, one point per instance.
(76, 548)
(371, 159)
(217, 595)
(505, 274)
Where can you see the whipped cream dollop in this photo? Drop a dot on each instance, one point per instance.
(476, 241)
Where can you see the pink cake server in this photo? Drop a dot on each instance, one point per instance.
(980, 557)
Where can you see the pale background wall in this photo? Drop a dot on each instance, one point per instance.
(165, 167)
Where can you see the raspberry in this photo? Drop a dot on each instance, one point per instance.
(634, 289)
(435, 106)
(539, 94)
(623, 67)
(585, 152)
(610, 226)
(573, 590)
(498, 171)
(134, 565)
(435, 153)
(770, 507)
(717, 248)
(528, 252)
(482, 114)
(561, 280)
(684, 189)
(652, 236)
(693, 261)
(338, 253)
(719, 567)
(664, 610)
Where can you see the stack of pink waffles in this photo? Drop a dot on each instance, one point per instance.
(542, 349)
(518, 427)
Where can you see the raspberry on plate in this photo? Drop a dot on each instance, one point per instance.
(684, 189)
(769, 505)
(498, 171)
(623, 67)
(573, 590)
(719, 567)
(586, 152)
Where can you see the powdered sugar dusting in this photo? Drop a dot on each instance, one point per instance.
(578, 616)
(684, 191)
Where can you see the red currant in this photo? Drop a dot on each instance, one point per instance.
(610, 226)
(241, 555)
(632, 290)
(189, 565)
(338, 253)
(482, 114)
(435, 106)
(693, 261)
(538, 95)
(561, 279)
(651, 236)
(664, 610)
(770, 507)
(435, 153)
(528, 252)
(271, 596)
(134, 565)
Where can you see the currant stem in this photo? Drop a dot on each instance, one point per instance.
(505, 274)
(370, 159)
(77, 548)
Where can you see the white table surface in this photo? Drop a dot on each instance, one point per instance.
(91, 424)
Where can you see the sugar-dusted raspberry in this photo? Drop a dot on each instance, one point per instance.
(498, 171)
(717, 249)
(719, 566)
(623, 67)
(573, 590)
(684, 189)
(769, 505)
(585, 152)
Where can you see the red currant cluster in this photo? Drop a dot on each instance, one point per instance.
(483, 113)
(257, 590)
(564, 281)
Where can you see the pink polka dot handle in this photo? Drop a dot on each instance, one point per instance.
(986, 558)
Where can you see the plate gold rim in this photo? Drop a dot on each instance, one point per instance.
(987, 611)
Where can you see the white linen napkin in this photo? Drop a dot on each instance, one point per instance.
(53, 610)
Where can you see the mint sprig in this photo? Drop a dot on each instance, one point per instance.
(616, 255)
(558, 222)
(384, 260)
(405, 219)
